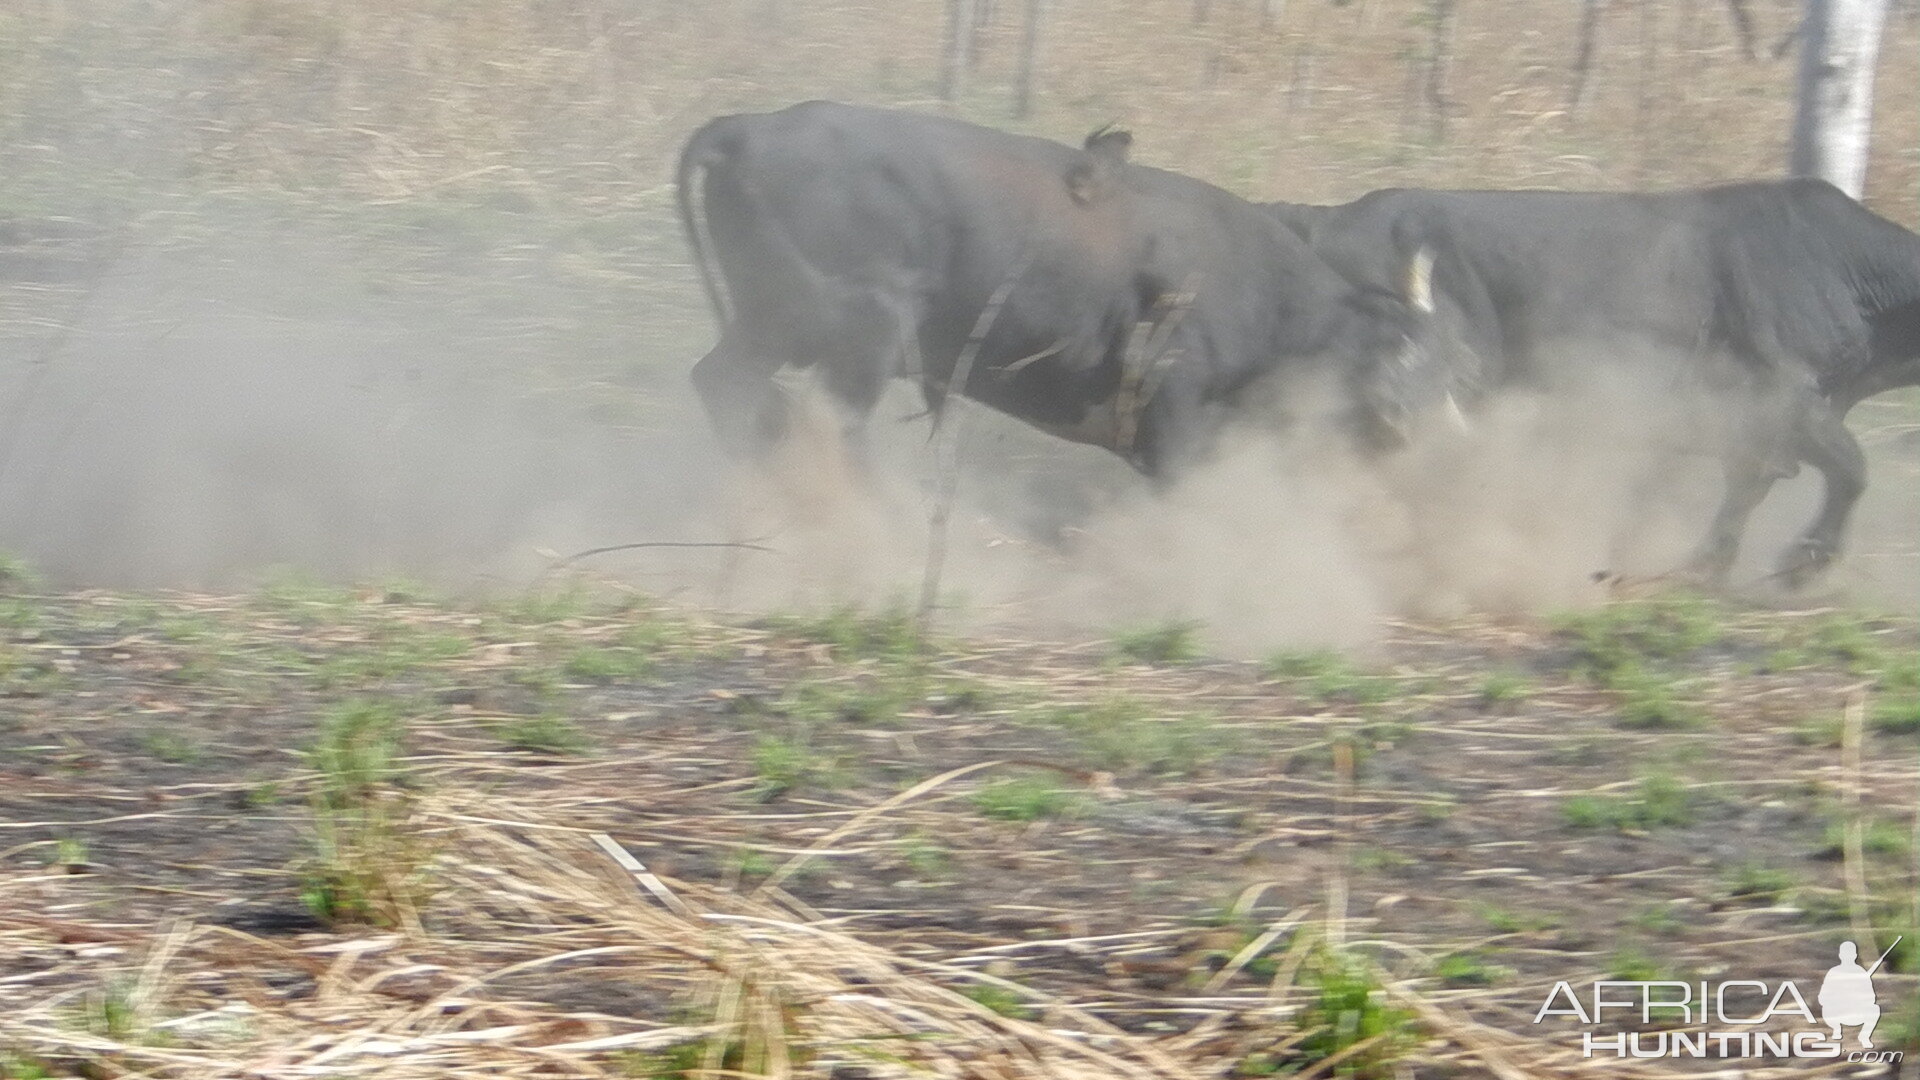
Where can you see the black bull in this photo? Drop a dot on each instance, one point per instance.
(1107, 303)
(1811, 300)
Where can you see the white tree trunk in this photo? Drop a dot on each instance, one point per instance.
(956, 48)
(1029, 76)
(1839, 43)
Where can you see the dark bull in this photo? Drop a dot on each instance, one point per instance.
(1105, 302)
(1810, 298)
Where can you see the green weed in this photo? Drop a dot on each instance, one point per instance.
(17, 574)
(370, 864)
(1000, 1000)
(1896, 714)
(1881, 838)
(1659, 801)
(18, 1066)
(1348, 1008)
(355, 750)
(1503, 920)
(1652, 702)
(1166, 643)
(1027, 798)
(607, 664)
(879, 698)
(852, 634)
(169, 746)
(1632, 964)
(1661, 919)
(1470, 968)
(1757, 883)
(69, 853)
(306, 600)
(1823, 731)
(1327, 678)
(927, 859)
(544, 734)
(781, 765)
(1500, 689)
(1625, 635)
(1125, 734)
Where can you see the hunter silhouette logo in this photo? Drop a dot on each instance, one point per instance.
(1846, 994)
(1733, 1018)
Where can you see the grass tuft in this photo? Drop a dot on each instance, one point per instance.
(1348, 1015)
(853, 634)
(1027, 798)
(1328, 678)
(1125, 734)
(1175, 642)
(1626, 635)
(1660, 801)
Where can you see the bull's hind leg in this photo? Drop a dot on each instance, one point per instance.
(745, 406)
(1827, 445)
(1749, 476)
(868, 349)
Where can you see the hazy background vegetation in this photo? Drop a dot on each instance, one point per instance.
(396, 286)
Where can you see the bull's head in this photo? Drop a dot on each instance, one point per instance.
(1414, 368)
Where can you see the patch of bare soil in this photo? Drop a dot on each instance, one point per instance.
(308, 832)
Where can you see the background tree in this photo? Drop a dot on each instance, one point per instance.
(1833, 115)
(1029, 57)
(956, 50)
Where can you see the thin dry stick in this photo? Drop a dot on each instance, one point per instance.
(1337, 885)
(1253, 950)
(948, 463)
(641, 874)
(744, 545)
(1851, 843)
(1913, 853)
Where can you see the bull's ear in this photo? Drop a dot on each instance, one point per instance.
(1109, 142)
(1096, 172)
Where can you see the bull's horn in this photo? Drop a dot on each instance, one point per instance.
(1456, 416)
(1420, 280)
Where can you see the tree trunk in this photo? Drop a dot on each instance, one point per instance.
(1647, 138)
(1300, 88)
(1582, 83)
(977, 38)
(1439, 68)
(1029, 58)
(1743, 28)
(958, 44)
(1833, 114)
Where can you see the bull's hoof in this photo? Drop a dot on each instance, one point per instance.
(1804, 563)
(1707, 570)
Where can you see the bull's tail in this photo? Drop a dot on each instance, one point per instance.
(715, 169)
(705, 149)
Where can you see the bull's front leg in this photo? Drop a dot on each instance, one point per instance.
(1748, 479)
(1827, 445)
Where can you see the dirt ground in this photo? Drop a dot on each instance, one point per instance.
(282, 803)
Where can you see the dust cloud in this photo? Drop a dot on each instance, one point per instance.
(218, 414)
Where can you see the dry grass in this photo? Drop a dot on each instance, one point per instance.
(632, 910)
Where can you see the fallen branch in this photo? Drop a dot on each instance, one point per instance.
(744, 545)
